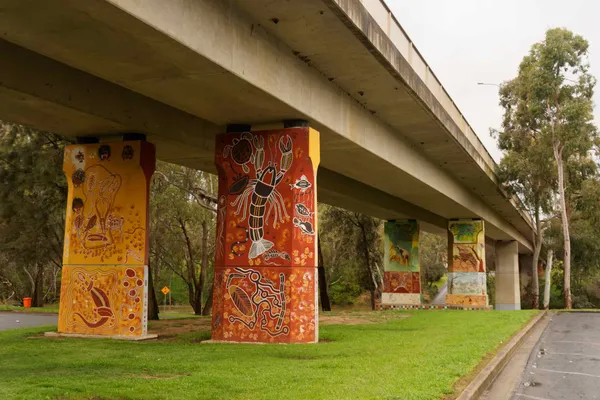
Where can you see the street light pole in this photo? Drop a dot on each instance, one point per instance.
(488, 84)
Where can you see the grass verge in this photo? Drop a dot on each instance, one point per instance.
(46, 309)
(420, 357)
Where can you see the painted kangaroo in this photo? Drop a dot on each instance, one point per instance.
(399, 255)
(100, 301)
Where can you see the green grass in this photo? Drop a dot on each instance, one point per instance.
(53, 308)
(412, 358)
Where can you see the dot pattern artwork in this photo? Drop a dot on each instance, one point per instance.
(265, 286)
(104, 276)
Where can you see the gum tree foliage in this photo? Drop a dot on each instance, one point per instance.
(548, 122)
(352, 250)
(433, 254)
(33, 192)
(182, 232)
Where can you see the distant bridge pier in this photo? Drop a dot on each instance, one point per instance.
(402, 269)
(466, 264)
(508, 296)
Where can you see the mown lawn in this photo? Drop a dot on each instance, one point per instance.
(419, 357)
(53, 308)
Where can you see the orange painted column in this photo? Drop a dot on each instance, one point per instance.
(265, 286)
(105, 262)
(466, 266)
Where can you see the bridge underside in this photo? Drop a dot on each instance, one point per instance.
(180, 71)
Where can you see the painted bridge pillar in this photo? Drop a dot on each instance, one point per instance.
(508, 295)
(401, 276)
(105, 260)
(466, 264)
(265, 285)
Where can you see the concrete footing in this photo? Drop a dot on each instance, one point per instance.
(382, 307)
(83, 336)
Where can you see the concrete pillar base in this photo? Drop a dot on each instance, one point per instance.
(508, 306)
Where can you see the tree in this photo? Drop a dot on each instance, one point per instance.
(549, 110)
(354, 236)
(32, 209)
(183, 219)
(433, 254)
(526, 168)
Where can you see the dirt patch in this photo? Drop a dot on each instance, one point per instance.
(170, 328)
(359, 318)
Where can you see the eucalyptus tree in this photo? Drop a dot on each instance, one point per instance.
(549, 114)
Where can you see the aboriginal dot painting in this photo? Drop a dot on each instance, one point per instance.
(265, 287)
(104, 276)
(466, 270)
(401, 277)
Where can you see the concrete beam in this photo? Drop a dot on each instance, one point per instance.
(40, 92)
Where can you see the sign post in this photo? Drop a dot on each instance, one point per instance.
(165, 291)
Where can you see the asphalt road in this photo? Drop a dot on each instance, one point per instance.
(565, 362)
(9, 320)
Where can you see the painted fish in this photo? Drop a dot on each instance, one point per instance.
(302, 210)
(100, 301)
(301, 183)
(306, 227)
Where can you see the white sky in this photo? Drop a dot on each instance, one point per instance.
(470, 41)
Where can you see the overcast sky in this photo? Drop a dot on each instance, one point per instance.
(470, 41)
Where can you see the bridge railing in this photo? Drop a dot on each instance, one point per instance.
(390, 25)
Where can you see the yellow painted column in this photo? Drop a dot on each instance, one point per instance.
(466, 264)
(105, 261)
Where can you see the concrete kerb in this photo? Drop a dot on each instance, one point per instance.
(82, 336)
(490, 372)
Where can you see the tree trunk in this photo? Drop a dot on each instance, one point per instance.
(369, 266)
(325, 305)
(565, 225)
(204, 260)
(208, 305)
(37, 299)
(197, 302)
(153, 309)
(548, 279)
(194, 288)
(536, 258)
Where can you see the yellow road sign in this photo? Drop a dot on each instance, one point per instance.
(165, 290)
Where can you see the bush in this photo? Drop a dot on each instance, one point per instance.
(344, 293)
(491, 289)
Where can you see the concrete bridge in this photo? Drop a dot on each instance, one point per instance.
(392, 142)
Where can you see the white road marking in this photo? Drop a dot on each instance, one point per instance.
(570, 341)
(573, 354)
(569, 373)
(531, 397)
